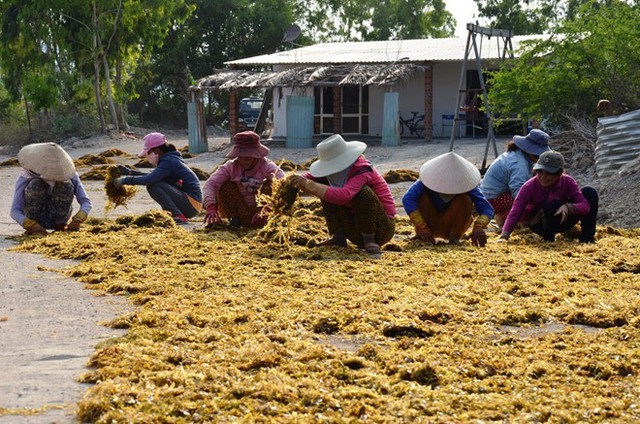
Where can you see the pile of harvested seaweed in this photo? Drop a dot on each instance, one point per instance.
(228, 327)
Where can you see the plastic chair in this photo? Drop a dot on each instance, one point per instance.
(447, 122)
(464, 124)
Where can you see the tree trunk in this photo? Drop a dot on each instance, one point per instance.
(121, 106)
(112, 106)
(96, 70)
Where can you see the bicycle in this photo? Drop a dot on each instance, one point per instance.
(415, 125)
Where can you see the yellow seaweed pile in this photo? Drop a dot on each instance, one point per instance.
(116, 196)
(230, 327)
(401, 175)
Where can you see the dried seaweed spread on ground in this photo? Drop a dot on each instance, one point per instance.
(116, 196)
(230, 327)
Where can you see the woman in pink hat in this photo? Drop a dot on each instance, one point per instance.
(172, 183)
(231, 191)
(356, 200)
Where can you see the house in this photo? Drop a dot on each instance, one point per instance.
(359, 89)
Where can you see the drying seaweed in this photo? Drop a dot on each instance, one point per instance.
(401, 175)
(305, 166)
(88, 160)
(116, 196)
(96, 174)
(231, 327)
(113, 152)
(291, 221)
(202, 175)
(287, 165)
(10, 162)
(143, 163)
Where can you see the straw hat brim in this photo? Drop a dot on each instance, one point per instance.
(450, 173)
(48, 160)
(351, 153)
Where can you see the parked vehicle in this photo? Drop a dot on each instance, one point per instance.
(248, 112)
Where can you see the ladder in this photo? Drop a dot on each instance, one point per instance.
(504, 50)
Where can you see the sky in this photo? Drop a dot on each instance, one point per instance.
(464, 11)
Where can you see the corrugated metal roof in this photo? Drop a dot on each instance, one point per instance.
(618, 142)
(422, 50)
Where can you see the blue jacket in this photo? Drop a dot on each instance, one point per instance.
(171, 169)
(506, 174)
(418, 189)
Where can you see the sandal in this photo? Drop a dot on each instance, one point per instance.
(331, 242)
(372, 249)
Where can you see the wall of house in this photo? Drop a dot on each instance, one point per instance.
(280, 108)
(446, 76)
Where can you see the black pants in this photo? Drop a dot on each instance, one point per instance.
(549, 224)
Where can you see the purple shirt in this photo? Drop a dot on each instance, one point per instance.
(533, 195)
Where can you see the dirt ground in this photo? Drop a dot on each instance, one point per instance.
(49, 325)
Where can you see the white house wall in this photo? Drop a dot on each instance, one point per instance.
(446, 76)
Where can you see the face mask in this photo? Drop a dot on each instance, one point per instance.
(152, 158)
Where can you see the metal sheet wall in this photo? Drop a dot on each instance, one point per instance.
(618, 142)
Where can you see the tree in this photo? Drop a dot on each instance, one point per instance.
(592, 56)
(69, 41)
(368, 20)
(527, 16)
(214, 33)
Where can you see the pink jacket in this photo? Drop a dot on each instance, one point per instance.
(361, 173)
(533, 195)
(248, 181)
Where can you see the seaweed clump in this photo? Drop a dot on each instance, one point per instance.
(291, 222)
(400, 175)
(116, 196)
(149, 219)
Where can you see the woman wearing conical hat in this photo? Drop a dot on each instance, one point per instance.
(44, 191)
(441, 203)
(356, 200)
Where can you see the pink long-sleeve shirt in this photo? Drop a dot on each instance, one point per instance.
(249, 181)
(360, 174)
(533, 195)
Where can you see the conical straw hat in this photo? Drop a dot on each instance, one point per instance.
(449, 173)
(48, 160)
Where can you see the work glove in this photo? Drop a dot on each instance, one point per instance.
(422, 229)
(77, 219)
(309, 187)
(117, 183)
(32, 227)
(564, 211)
(478, 234)
(212, 216)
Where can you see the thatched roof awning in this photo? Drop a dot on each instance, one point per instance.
(329, 75)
